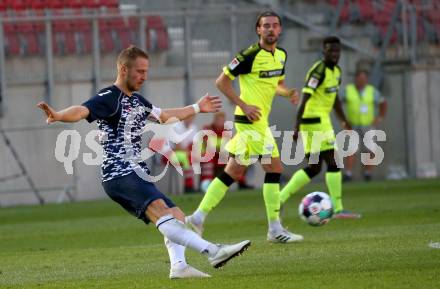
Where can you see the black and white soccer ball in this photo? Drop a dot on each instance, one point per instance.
(316, 209)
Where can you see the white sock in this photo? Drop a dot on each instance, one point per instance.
(348, 173)
(176, 253)
(177, 233)
(198, 217)
(275, 226)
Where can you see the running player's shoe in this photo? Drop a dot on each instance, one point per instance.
(227, 252)
(284, 236)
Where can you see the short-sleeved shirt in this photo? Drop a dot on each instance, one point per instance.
(259, 72)
(121, 119)
(322, 83)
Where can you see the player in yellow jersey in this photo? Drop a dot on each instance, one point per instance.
(260, 69)
(320, 97)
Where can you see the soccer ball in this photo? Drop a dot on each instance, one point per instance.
(316, 209)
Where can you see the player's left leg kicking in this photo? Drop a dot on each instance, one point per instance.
(142, 199)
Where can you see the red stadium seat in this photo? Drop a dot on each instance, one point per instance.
(366, 9)
(54, 4)
(106, 41)
(133, 29)
(37, 4)
(121, 29)
(11, 38)
(345, 14)
(40, 30)
(156, 28)
(2, 7)
(64, 37)
(84, 30)
(16, 5)
(382, 17)
(91, 4)
(30, 35)
(133, 23)
(110, 4)
(76, 4)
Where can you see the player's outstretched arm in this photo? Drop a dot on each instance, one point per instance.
(71, 114)
(290, 93)
(206, 104)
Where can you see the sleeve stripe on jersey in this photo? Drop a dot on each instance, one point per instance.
(228, 73)
(315, 77)
(308, 90)
(155, 112)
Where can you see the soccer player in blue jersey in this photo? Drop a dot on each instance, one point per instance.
(121, 114)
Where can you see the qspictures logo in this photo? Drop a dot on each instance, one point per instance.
(163, 139)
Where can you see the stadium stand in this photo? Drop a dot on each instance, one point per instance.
(12, 42)
(74, 36)
(156, 26)
(379, 13)
(64, 38)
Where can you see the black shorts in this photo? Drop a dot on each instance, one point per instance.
(134, 194)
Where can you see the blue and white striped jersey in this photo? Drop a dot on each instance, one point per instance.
(121, 119)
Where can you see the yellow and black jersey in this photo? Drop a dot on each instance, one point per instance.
(322, 83)
(259, 72)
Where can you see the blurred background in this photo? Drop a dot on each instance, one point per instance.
(62, 52)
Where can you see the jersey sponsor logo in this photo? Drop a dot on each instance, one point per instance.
(313, 82)
(332, 89)
(234, 63)
(270, 73)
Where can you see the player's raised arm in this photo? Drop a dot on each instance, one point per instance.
(206, 104)
(71, 114)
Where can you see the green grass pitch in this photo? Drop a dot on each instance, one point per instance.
(98, 245)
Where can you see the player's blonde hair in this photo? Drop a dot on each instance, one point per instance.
(130, 54)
